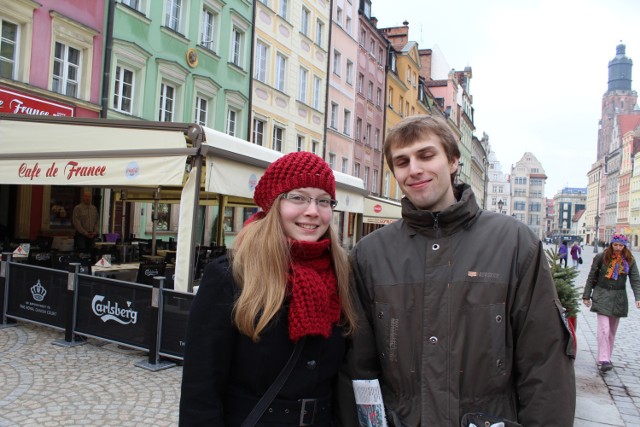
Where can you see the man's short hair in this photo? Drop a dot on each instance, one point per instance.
(415, 128)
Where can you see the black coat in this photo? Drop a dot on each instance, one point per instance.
(225, 373)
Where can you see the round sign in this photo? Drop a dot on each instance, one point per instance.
(377, 208)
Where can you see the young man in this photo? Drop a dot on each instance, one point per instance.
(462, 324)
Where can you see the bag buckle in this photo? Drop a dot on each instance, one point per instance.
(307, 411)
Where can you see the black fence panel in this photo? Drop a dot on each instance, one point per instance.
(114, 310)
(37, 294)
(176, 306)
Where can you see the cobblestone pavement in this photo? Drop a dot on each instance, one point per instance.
(623, 382)
(96, 384)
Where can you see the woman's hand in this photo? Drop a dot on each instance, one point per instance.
(587, 302)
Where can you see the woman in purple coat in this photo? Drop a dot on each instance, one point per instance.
(563, 253)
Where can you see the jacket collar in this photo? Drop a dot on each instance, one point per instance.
(460, 214)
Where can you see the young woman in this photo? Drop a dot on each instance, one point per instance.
(605, 292)
(287, 279)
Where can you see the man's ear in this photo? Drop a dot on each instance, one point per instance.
(454, 165)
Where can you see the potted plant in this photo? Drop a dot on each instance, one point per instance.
(564, 278)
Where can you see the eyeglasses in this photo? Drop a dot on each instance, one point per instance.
(300, 200)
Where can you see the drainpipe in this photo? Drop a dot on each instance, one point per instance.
(108, 45)
(326, 91)
(251, 65)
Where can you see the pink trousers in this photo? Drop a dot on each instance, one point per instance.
(607, 327)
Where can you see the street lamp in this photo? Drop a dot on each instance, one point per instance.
(595, 240)
(500, 205)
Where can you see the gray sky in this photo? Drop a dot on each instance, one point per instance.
(539, 70)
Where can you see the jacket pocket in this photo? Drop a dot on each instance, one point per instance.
(479, 419)
(395, 346)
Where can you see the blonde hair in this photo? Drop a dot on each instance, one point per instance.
(260, 260)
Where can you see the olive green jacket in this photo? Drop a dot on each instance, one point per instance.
(609, 296)
(461, 316)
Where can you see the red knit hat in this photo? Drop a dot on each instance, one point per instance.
(294, 170)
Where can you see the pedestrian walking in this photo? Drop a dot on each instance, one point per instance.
(605, 292)
(563, 253)
(576, 255)
(280, 300)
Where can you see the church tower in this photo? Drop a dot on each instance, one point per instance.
(619, 98)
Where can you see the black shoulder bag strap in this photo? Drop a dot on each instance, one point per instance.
(274, 388)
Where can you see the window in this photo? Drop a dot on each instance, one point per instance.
(172, 14)
(228, 218)
(380, 55)
(347, 122)
(348, 25)
(260, 72)
(66, 70)
(372, 47)
(332, 161)
(134, 4)
(265, 2)
(237, 40)
(337, 58)
(299, 143)
(281, 72)
(374, 183)
(378, 97)
(368, 135)
(356, 169)
(339, 16)
(334, 115)
(390, 97)
(345, 165)
(163, 216)
(363, 38)
(319, 32)
(358, 128)
(282, 8)
(304, 21)
(376, 139)
(370, 91)
(278, 137)
(167, 99)
(365, 178)
(8, 49)
(314, 147)
(202, 108)
(123, 90)
(258, 131)
(316, 92)
(209, 25)
(302, 85)
(349, 72)
(360, 82)
(232, 121)
(128, 66)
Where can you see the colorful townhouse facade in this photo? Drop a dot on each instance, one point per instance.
(182, 61)
(288, 98)
(51, 63)
(343, 55)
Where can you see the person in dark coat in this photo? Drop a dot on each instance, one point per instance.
(286, 280)
(605, 292)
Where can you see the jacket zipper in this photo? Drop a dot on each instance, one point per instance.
(436, 226)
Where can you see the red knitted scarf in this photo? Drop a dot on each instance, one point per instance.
(315, 305)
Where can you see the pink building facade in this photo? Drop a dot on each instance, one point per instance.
(370, 99)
